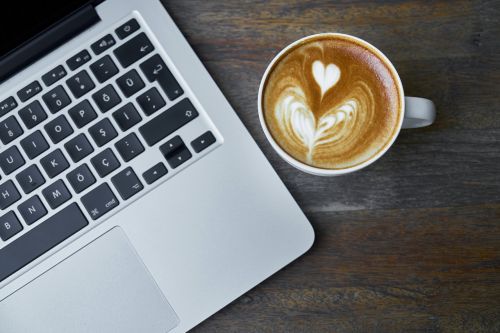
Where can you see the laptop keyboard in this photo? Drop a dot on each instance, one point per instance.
(73, 139)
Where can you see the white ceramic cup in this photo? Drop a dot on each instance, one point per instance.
(417, 112)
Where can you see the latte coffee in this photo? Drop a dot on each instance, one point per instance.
(332, 102)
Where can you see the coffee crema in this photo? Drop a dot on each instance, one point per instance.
(331, 102)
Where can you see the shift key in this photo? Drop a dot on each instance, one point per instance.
(99, 201)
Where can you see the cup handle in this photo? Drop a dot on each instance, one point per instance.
(419, 112)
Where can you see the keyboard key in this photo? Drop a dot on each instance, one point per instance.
(178, 157)
(151, 101)
(130, 83)
(104, 69)
(32, 210)
(82, 113)
(54, 163)
(78, 147)
(56, 194)
(80, 84)
(29, 91)
(32, 114)
(106, 98)
(81, 178)
(171, 145)
(8, 194)
(30, 179)
(9, 226)
(129, 147)
(11, 160)
(54, 75)
(154, 173)
(78, 59)
(103, 44)
(127, 28)
(58, 129)
(127, 183)
(105, 162)
(203, 141)
(168, 122)
(56, 99)
(99, 201)
(34, 144)
(133, 50)
(40, 239)
(7, 105)
(103, 132)
(155, 69)
(127, 116)
(10, 130)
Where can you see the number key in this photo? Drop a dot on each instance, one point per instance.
(80, 84)
(32, 114)
(130, 83)
(10, 130)
(56, 99)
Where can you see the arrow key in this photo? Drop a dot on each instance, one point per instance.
(154, 173)
(178, 156)
(203, 141)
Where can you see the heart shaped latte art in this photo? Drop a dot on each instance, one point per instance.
(325, 76)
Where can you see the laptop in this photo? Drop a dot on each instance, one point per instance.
(132, 197)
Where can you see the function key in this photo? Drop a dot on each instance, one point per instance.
(81, 178)
(34, 144)
(203, 141)
(127, 28)
(58, 129)
(103, 132)
(9, 226)
(10, 130)
(80, 84)
(54, 75)
(82, 113)
(32, 210)
(130, 83)
(151, 101)
(127, 116)
(56, 194)
(29, 91)
(154, 173)
(103, 44)
(105, 162)
(54, 163)
(104, 68)
(11, 160)
(32, 114)
(30, 179)
(133, 50)
(99, 201)
(56, 99)
(106, 98)
(155, 69)
(78, 59)
(127, 183)
(8, 194)
(129, 147)
(7, 105)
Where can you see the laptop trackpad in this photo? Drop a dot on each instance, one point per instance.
(104, 287)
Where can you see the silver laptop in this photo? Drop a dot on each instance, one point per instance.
(132, 197)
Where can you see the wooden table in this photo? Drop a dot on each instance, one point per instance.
(412, 243)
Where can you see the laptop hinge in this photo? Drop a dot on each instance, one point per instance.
(48, 40)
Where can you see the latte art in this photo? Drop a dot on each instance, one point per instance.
(331, 103)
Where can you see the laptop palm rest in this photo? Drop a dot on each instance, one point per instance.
(104, 287)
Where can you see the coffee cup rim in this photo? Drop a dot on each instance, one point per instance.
(321, 171)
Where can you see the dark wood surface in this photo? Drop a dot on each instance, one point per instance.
(412, 243)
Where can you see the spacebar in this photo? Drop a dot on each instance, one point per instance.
(40, 239)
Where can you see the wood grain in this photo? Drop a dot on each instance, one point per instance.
(412, 243)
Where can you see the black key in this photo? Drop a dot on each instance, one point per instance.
(8, 194)
(127, 28)
(106, 98)
(11, 160)
(171, 145)
(9, 226)
(154, 173)
(81, 178)
(58, 129)
(34, 144)
(133, 50)
(103, 44)
(105, 162)
(54, 75)
(56, 99)
(29, 91)
(178, 157)
(99, 201)
(203, 141)
(56, 194)
(32, 210)
(127, 183)
(30, 179)
(127, 116)
(54, 163)
(104, 68)
(168, 122)
(130, 83)
(40, 239)
(103, 132)
(80, 84)
(7, 105)
(78, 147)
(82, 113)
(10, 130)
(32, 114)
(155, 69)
(78, 59)
(129, 147)
(151, 101)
